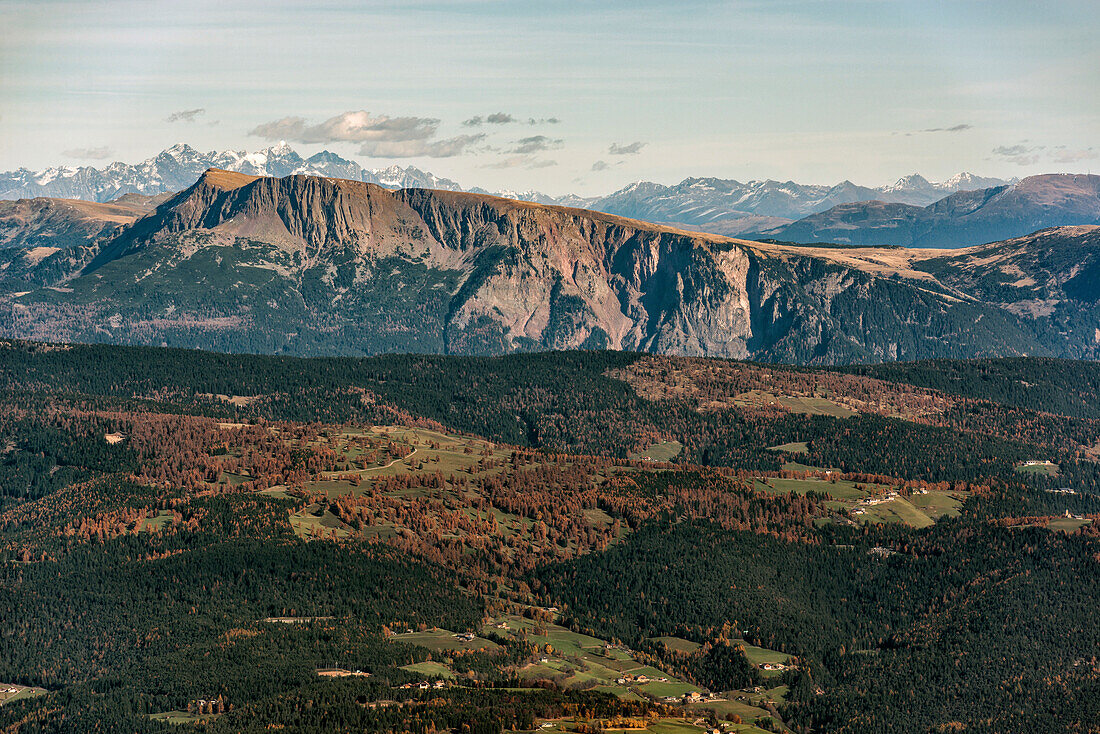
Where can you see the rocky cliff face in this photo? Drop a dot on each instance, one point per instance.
(309, 265)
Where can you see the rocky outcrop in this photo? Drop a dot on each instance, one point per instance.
(310, 265)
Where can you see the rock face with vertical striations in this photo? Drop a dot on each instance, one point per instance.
(308, 265)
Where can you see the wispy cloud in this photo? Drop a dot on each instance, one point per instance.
(1062, 154)
(504, 118)
(497, 118)
(627, 149)
(95, 154)
(600, 166)
(953, 129)
(444, 148)
(1024, 154)
(522, 161)
(349, 127)
(1020, 154)
(536, 144)
(186, 115)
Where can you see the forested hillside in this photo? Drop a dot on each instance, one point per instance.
(583, 540)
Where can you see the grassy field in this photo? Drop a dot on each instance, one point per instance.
(313, 521)
(678, 643)
(1067, 524)
(1047, 468)
(918, 511)
(840, 489)
(721, 709)
(759, 655)
(441, 639)
(664, 451)
(896, 510)
(180, 717)
(430, 669)
(575, 658)
(796, 447)
(20, 692)
(799, 466)
(663, 726)
(233, 480)
(803, 405)
(152, 524)
(936, 504)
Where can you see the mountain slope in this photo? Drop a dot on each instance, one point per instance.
(962, 219)
(60, 232)
(311, 265)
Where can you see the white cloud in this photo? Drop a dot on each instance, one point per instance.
(350, 127)
(96, 154)
(522, 161)
(445, 148)
(1061, 154)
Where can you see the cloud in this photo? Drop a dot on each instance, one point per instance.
(504, 118)
(953, 129)
(445, 148)
(96, 154)
(522, 161)
(350, 127)
(1021, 155)
(1061, 154)
(600, 166)
(536, 144)
(628, 149)
(1027, 155)
(185, 115)
(497, 118)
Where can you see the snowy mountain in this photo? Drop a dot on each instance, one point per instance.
(724, 206)
(919, 191)
(181, 165)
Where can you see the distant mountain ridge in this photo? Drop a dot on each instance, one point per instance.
(959, 220)
(176, 168)
(723, 206)
(310, 265)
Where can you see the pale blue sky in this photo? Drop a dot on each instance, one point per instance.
(814, 91)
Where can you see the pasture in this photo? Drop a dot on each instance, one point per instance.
(444, 640)
(795, 447)
(429, 669)
(664, 451)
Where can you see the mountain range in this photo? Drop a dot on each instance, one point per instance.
(722, 206)
(963, 218)
(177, 167)
(310, 265)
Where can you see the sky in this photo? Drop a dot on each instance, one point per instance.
(560, 97)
